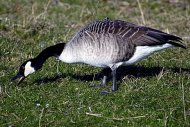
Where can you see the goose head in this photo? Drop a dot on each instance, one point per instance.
(27, 68)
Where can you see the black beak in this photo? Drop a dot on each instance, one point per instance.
(19, 77)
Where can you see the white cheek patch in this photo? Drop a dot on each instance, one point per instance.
(28, 69)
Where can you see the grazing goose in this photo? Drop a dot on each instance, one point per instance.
(107, 44)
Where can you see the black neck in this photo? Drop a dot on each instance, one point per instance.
(54, 50)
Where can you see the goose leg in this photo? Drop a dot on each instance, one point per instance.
(114, 85)
(114, 75)
(104, 81)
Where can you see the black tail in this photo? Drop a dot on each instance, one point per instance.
(176, 41)
(167, 38)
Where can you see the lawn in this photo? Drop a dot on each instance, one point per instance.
(154, 92)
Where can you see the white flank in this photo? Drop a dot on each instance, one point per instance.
(142, 52)
(28, 69)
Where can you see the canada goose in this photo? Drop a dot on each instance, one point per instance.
(107, 44)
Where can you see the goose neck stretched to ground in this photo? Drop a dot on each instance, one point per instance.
(54, 50)
(32, 65)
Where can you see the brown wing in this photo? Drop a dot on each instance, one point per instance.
(138, 35)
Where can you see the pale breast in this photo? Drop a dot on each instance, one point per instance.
(103, 49)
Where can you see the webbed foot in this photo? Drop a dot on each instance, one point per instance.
(105, 92)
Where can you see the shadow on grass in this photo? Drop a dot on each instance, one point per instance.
(130, 71)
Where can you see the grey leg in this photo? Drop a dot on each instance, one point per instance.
(104, 81)
(114, 84)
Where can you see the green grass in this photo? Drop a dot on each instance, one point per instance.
(154, 92)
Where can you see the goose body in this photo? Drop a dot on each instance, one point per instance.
(109, 44)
